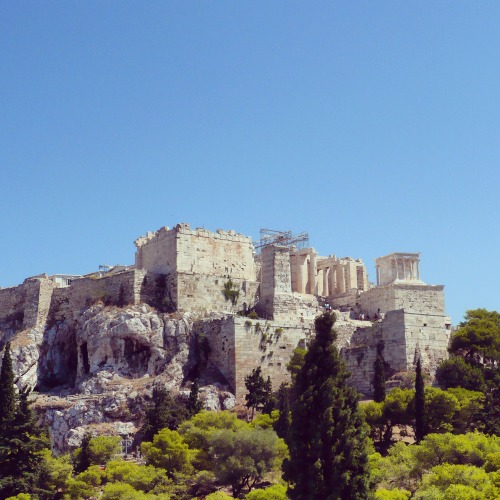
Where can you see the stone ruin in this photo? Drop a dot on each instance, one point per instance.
(211, 281)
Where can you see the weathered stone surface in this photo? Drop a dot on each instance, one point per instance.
(85, 342)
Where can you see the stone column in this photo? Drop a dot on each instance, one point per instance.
(312, 274)
(326, 281)
(341, 279)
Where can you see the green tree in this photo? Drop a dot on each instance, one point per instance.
(20, 446)
(144, 478)
(241, 458)
(405, 466)
(456, 372)
(478, 337)
(218, 495)
(8, 398)
(327, 439)
(164, 412)
(397, 411)
(196, 432)
(282, 425)
(420, 424)
(194, 404)
(443, 476)
(54, 474)
(296, 362)
(274, 492)
(259, 390)
(168, 451)
(96, 451)
(396, 494)
(81, 458)
(379, 378)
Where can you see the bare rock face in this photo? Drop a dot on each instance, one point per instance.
(96, 374)
(25, 356)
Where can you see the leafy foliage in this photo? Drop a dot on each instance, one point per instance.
(327, 439)
(20, 440)
(194, 404)
(405, 466)
(274, 492)
(8, 397)
(259, 390)
(168, 451)
(379, 379)
(478, 337)
(165, 411)
(420, 410)
(231, 292)
(243, 457)
(456, 372)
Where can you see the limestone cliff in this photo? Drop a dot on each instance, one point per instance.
(97, 371)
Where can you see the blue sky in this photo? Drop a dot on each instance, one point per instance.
(374, 126)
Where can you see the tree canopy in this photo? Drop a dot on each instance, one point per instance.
(327, 440)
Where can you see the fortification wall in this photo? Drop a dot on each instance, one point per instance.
(428, 336)
(196, 251)
(26, 305)
(223, 253)
(12, 301)
(421, 299)
(404, 336)
(120, 288)
(239, 345)
(201, 293)
(157, 252)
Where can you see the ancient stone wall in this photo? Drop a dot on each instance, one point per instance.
(157, 252)
(201, 293)
(26, 305)
(404, 337)
(276, 286)
(12, 302)
(239, 345)
(69, 302)
(422, 299)
(197, 251)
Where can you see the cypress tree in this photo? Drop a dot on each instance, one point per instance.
(282, 425)
(19, 451)
(194, 404)
(8, 397)
(379, 379)
(419, 404)
(327, 438)
(82, 461)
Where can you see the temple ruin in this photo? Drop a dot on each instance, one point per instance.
(220, 277)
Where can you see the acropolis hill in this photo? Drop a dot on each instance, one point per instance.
(212, 306)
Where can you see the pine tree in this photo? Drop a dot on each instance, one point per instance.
(8, 397)
(259, 390)
(327, 439)
(379, 379)
(164, 412)
(419, 404)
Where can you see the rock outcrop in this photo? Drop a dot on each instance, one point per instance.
(97, 373)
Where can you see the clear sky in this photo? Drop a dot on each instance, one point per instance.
(374, 126)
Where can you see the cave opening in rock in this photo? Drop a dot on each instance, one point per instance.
(85, 358)
(58, 361)
(137, 356)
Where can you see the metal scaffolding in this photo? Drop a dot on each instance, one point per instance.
(282, 238)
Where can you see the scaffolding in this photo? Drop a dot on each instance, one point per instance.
(270, 237)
